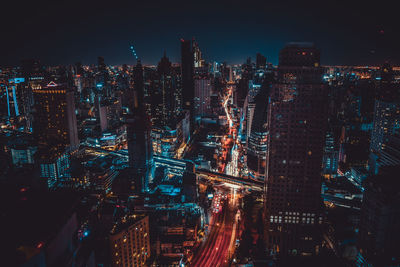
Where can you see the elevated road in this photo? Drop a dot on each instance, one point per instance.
(224, 178)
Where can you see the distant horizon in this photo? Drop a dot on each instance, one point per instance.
(67, 32)
(395, 67)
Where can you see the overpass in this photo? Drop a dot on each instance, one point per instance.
(224, 178)
(175, 164)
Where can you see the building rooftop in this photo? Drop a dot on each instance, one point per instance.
(126, 221)
(31, 219)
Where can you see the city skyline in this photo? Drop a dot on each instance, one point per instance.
(200, 134)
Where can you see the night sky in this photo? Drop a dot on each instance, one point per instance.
(65, 32)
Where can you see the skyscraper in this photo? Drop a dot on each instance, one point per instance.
(187, 68)
(380, 216)
(203, 88)
(167, 84)
(331, 156)
(198, 60)
(139, 135)
(257, 142)
(130, 241)
(261, 61)
(386, 116)
(296, 125)
(54, 118)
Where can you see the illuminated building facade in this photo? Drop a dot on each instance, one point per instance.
(109, 112)
(168, 141)
(22, 152)
(54, 119)
(257, 141)
(198, 60)
(165, 142)
(330, 161)
(100, 175)
(54, 166)
(386, 123)
(130, 241)
(296, 125)
(203, 89)
(386, 116)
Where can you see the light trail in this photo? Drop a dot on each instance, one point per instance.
(232, 166)
(218, 249)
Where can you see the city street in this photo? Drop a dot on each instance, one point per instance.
(229, 163)
(220, 242)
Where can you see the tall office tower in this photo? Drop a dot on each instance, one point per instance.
(379, 235)
(250, 107)
(130, 241)
(296, 126)
(167, 89)
(390, 154)
(11, 96)
(123, 82)
(176, 70)
(33, 73)
(386, 115)
(156, 97)
(54, 166)
(78, 72)
(102, 78)
(203, 88)
(54, 118)
(198, 60)
(257, 141)
(251, 91)
(330, 163)
(139, 135)
(243, 86)
(261, 61)
(101, 65)
(187, 68)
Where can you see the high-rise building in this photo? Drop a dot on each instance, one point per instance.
(187, 68)
(130, 241)
(296, 125)
(139, 136)
(203, 88)
(101, 65)
(54, 118)
(388, 156)
(379, 237)
(386, 116)
(13, 109)
(198, 60)
(386, 123)
(257, 141)
(22, 151)
(330, 162)
(167, 86)
(261, 61)
(54, 166)
(102, 78)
